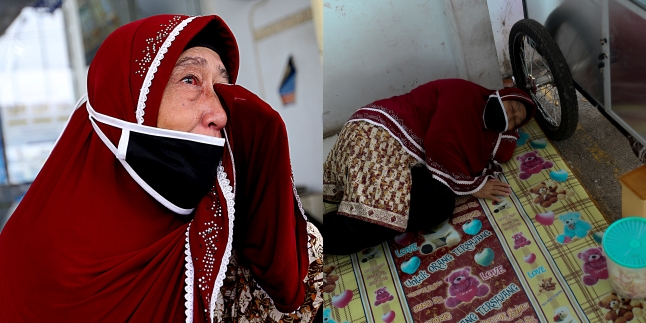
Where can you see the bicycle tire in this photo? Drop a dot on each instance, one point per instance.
(546, 47)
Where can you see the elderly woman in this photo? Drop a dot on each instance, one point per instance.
(168, 197)
(399, 163)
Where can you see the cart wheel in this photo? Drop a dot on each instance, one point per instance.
(540, 69)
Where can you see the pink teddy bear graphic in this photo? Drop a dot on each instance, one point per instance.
(520, 240)
(531, 163)
(464, 287)
(594, 265)
(383, 296)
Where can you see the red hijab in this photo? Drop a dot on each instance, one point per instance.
(87, 243)
(441, 124)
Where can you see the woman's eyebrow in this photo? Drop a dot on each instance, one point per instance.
(188, 60)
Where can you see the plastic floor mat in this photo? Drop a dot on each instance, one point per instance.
(535, 257)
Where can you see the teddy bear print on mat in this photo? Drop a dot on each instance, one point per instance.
(555, 188)
(618, 311)
(531, 163)
(562, 315)
(549, 192)
(520, 240)
(463, 287)
(634, 305)
(369, 254)
(594, 265)
(544, 197)
(574, 227)
(383, 296)
(501, 206)
(329, 279)
(546, 285)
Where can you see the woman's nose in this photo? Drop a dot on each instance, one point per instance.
(214, 117)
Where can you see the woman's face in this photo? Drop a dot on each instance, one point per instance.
(515, 113)
(189, 102)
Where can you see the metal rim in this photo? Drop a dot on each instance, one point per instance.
(539, 81)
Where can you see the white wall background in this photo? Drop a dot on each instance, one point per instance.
(381, 48)
(504, 14)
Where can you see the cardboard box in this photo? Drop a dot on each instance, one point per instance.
(633, 192)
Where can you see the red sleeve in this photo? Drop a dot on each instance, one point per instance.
(507, 146)
(270, 232)
(453, 136)
(422, 104)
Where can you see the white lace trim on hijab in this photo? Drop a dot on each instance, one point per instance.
(227, 191)
(190, 277)
(145, 88)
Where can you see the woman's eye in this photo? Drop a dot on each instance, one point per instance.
(190, 79)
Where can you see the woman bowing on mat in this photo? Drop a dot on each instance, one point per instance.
(399, 163)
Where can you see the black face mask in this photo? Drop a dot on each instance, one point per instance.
(495, 116)
(176, 168)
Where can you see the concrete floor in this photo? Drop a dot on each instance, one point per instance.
(598, 154)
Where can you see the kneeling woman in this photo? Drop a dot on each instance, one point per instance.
(168, 197)
(399, 163)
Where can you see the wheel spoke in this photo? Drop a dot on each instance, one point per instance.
(545, 65)
(546, 95)
(524, 56)
(531, 58)
(528, 62)
(540, 69)
(549, 105)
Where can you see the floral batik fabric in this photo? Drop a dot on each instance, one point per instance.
(243, 300)
(368, 174)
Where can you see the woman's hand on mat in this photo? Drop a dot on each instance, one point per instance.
(492, 188)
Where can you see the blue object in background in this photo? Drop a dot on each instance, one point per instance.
(3, 164)
(559, 175)
(287, 88)
(49, 5)
(624, 242)
(522, 139)
(538, 143)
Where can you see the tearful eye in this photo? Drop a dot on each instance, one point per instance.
(190, 79)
